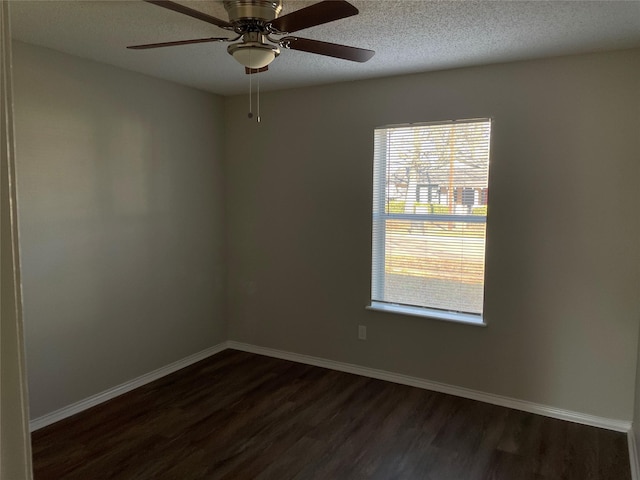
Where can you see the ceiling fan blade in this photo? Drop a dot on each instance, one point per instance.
(179, 42)
(176, 7)
(313, 15)
(329, 49)
(251, 71)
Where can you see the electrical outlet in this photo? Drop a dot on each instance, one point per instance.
(362, 332)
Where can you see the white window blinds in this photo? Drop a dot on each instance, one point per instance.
(429, 215)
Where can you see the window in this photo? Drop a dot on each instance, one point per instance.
(429, 219)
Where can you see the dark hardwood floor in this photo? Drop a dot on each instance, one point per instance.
(242, 416)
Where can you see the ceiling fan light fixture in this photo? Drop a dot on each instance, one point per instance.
(253, 54)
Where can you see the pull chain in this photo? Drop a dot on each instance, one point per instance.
(250, 115)
(258, 99)
(251, 73)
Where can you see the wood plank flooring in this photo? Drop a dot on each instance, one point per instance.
(238, 416)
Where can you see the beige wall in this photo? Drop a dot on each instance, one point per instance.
(121, 222)
(563, 250)
(15, 445)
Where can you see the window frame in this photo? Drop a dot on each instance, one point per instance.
(379, 236)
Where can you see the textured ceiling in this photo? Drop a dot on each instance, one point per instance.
(408, 36)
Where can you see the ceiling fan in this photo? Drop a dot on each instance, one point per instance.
(259, 30)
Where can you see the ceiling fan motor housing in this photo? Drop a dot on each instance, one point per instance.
(241, 11)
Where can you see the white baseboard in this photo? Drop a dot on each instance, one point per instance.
(585, 419)
(633, 455)
(94, 400)
(547, 411)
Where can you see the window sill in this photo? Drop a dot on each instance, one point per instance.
(465, 318)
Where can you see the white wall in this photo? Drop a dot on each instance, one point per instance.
(121, 221)
(563, 248)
